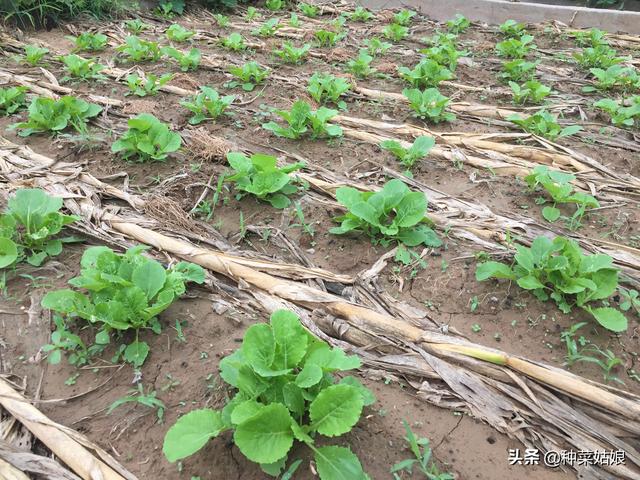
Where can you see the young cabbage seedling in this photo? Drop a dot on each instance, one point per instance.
(408, 156)
(147, 139)
(29, 227)
(393, 214)
(458, 24)
(123, 292)
(12, 100)
(286, 391)
(427, 73)
(429, 104)
(531, 91)
(360, 14)
(324, 87)
(89, 42)
(139, 50)
(260, 176)
(624, 115)
(177, 33)
(187, 61)
(208, 104)
(49, 115)
(361, 65)
(290, 54)
(147, 85)
(395, 32)
(301, 118)
(268, 28)
(558, 186)
(82, 68)
(249, 75)
(558, 269)
(544, 124)
(513, 29)
(33, 54)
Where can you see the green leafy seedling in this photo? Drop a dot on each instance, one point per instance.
(252, 14)
(615, 77)
(147, 139)
(445, 54)
(558, 270)
(512, 29)
(408, 156)
(515, 47)
(177, 33)
(268, 28)
(427, 73)
(249, 75)
(29, 227)
(518, 70)
(187, 61)
(82, 68)
(124, 292)
(89, 42)
(147, 85)
(544, 124)
(458, 24)
(429, 104)
(223, 21)
(301, 118)
(275, 5)
(136, 26)
(286, 391)
(360, 14)
(34, 54)
(12, 100)
(558, 186)
(361, 65)
(327, 38)
(290, 54)
(395, 32)
(404, 17)
(376, 47)
(137, 395)
(138, 50)
(234, 42)
(625, 115)
(601, 56)
(207, 104)
(308, 10)
(260, 176)
(394, 213)
(325, 87)
(49, 115)
(590, 38)
(531, 91)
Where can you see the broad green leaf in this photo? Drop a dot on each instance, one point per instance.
(332, 359)
(8, 252)
(411, 209)
(293, 398)
(593, 263)
(529, 283)
(244, 411)
(609, 318)
(551, 214)
(63, 301)
(191, 432)
(336, 410)
(338, 463)
(310, 375)
(486, 270)
(290, 338)
(149, 277)
(190, 272)
(265, 437)
(259, 348)
(136, 353)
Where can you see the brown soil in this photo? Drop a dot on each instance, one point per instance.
(184, 373)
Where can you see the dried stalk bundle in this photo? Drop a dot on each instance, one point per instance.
(538, 404)
(83, 457)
